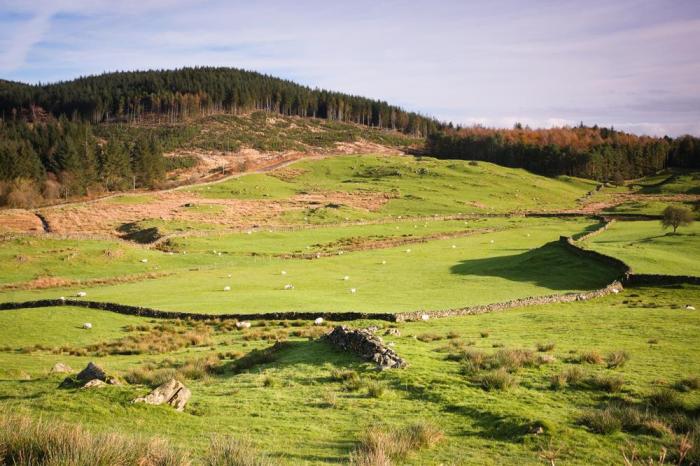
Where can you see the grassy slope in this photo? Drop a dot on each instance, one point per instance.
(432, 276)
(648, 248)
(481, 427)
(422, 186)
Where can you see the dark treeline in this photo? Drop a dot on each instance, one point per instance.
(589, 152)
(61, 158)
(170, 95)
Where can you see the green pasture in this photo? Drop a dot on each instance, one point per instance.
(274, 403)
(648, 248)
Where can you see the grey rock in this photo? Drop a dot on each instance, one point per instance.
(366, 345)
(172, 392)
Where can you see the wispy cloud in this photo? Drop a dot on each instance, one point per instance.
(630, 63)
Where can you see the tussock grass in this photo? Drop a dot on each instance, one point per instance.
(499, 379)
(589, 357)
(687, 384)
(428, 337)
(545, 347)
(27, 442)
(382, 446)
(156, 374)
(608, 383)
(375, 388)
(617, 359)
(230, 451)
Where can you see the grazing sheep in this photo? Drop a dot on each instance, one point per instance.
(492, 241)
(454, 246)
(340, 253)
(227, 288)
(218, 254)
(87, 325)
(243, 324)
(425, 317)
(689, 308)
(288, 286)
(353, 290)
(318, 321)
(318, 255)
(81, 294)
(408, 250)
(383, 262)
(284, 272)
(229, 275)
(346, 278)
(144, 260)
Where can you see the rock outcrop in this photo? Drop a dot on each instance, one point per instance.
(172, 392)
(60, 368)
(88, 377)
(366, 345)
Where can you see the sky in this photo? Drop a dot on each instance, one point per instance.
(631, 64)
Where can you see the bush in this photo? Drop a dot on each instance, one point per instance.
(665, 400)
(609, 383)
(590, 357)
(544, 347)
(375, 389)
(497, 380)
(688, 384)
(26, 442)
(379, 445)
(617, 359)
(229, 451)
(484, 334)
(601, 421)
(268, 381)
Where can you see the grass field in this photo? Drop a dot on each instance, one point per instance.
(520, 258)
(377, 234)
(272, 403)
(648, 248)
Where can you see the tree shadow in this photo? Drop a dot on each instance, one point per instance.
(496, 426)
(550, 266)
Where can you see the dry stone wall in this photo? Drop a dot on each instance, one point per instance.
(367, 345)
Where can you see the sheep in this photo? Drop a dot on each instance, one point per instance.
(318, 321)
(81, 294)
(454, 246)
(318, 255)
(243, 324)
(383, 262)
(689, 308)
(492, 241)
(218, 254)
(346, 278)
(288, 286)
(353, 290)
(425, 317)
(227, 288)
(249, 232)
(62, 298)
(144, 260)
(615, 290)
(229, 275)
(340, 253)
(87, 325)
(408, 250)
(284, 272)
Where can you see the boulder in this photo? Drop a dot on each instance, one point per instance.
(91, 372)
(393, 332)
(172, 392)
(94, 383)
(60, 368)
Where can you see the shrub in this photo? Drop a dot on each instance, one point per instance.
(499, 379)
(268, 381)
(688, 384)
(27, 442)
(544, 347)
(609, 383)
(452, 335)
(484, 334)
(590, 357)
(379, 445)
(512, 359)
(601, 421)
(617, 359)
(375, 389)
(229, 451)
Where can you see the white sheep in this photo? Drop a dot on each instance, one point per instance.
(229, 275)
(689, 308)
(408, 250)
(615, 290)
(454, 246)
(340, 253)
(425, 317)
(87, 325)
(62, 298)
(81, 294)
(318, 255)
(144, 260)
(383, 262)
(243, 324)
(492, 241)
(227, 288)
(353, 290)
(288, 286)
(318, 321)
(346, 278)
(284, 272)
(218, 254)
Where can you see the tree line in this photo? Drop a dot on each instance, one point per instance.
(603, 154)
(171, 95)
(62, 158)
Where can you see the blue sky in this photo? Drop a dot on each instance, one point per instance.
(633, 64)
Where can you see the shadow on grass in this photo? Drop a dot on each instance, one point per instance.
(495, 426)
(550, 266)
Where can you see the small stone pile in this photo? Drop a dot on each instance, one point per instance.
(368, 346)
(91, 377)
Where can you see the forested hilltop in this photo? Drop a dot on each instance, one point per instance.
(109, 132)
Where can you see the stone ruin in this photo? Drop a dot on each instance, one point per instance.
(367, 345)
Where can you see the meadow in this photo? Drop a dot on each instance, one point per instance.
(584, 382)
